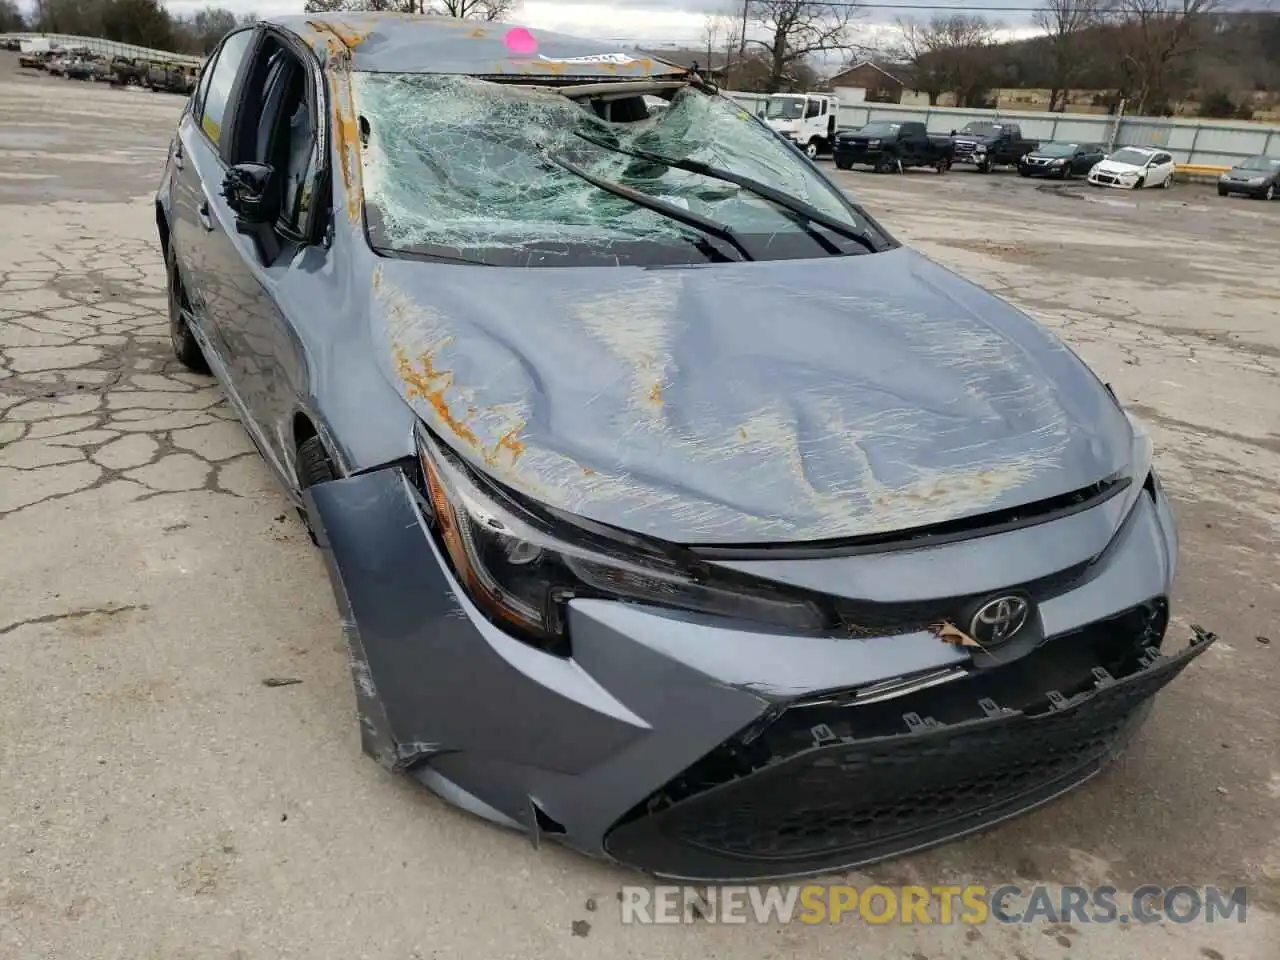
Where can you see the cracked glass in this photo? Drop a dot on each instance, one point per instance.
(459, 166)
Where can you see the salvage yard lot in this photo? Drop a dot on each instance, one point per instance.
(162, 801)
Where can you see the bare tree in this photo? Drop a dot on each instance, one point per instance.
(712, 34)
(1153, 41)
(796, 30)
(951, 54)
(462, 9)
(472, 9)
(11, 19)
(1066, 24)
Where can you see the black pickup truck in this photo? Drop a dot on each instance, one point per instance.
(890, 145)
(988, 143)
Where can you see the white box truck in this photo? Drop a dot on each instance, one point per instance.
(808, 119)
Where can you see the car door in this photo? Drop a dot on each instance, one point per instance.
(196, 155)
(1166, 167)
(277, 123)
(913, 142)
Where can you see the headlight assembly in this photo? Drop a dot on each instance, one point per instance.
(521, 571)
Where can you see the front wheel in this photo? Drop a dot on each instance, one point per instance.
(1269, 193)
(984, 166)
(185, 346)
(942, 166)
(313, 467)
(1221, 192)
(1168, 183)
(811, 149)
(843, 165)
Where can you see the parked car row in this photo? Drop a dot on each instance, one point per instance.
(892, 146)
(118, 71)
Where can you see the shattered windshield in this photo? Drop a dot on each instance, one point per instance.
(784, 108)
(460, 167)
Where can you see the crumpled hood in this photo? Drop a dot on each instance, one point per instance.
(1115, 169)
(748, 402)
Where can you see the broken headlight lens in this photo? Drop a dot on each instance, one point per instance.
(520, 572)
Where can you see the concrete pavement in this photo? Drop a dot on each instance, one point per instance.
(161, 801)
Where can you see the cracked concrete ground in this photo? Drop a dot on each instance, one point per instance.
(161, 802)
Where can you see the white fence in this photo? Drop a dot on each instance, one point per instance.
(1214, 143)
(109, 48)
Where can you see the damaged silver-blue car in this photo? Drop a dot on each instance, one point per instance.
(674, 509)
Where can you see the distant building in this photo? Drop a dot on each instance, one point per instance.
(870, 82)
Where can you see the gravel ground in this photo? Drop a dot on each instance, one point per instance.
(160, 801)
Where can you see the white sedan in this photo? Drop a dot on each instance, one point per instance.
(1132, 168)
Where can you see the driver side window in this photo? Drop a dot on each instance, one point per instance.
(811, 108)
(280, 131)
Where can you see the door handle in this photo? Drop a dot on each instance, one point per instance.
(206, 218)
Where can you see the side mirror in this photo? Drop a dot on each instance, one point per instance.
(953, 131)
(252, 191)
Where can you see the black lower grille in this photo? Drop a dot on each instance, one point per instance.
(841, 801)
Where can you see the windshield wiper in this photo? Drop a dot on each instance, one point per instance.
(799, 207)
(714, 228)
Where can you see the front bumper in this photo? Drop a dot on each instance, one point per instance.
(1242, 188)
(1111, 180)
(696, 748)
(1042, 170)
(857, 153)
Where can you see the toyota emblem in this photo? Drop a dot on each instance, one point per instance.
(998, 621)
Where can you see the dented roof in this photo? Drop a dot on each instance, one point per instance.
(410, 43)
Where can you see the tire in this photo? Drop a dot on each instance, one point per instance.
(1024, 173)
(984, 167)
(811, 149)
(1141, 182)
(885, 164)
(1066, 173)
(1270, 192)
(942, 166)
(185, 346)
(843, 165)
(1168, 183)
(1221, 192)
(314, 465)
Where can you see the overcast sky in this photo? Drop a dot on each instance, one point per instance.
(659, 21)
(667, 22)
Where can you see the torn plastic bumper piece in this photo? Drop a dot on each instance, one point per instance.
(629, 750)
(838, 801)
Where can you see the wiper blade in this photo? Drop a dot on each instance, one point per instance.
(714, 228)
(797, 206)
